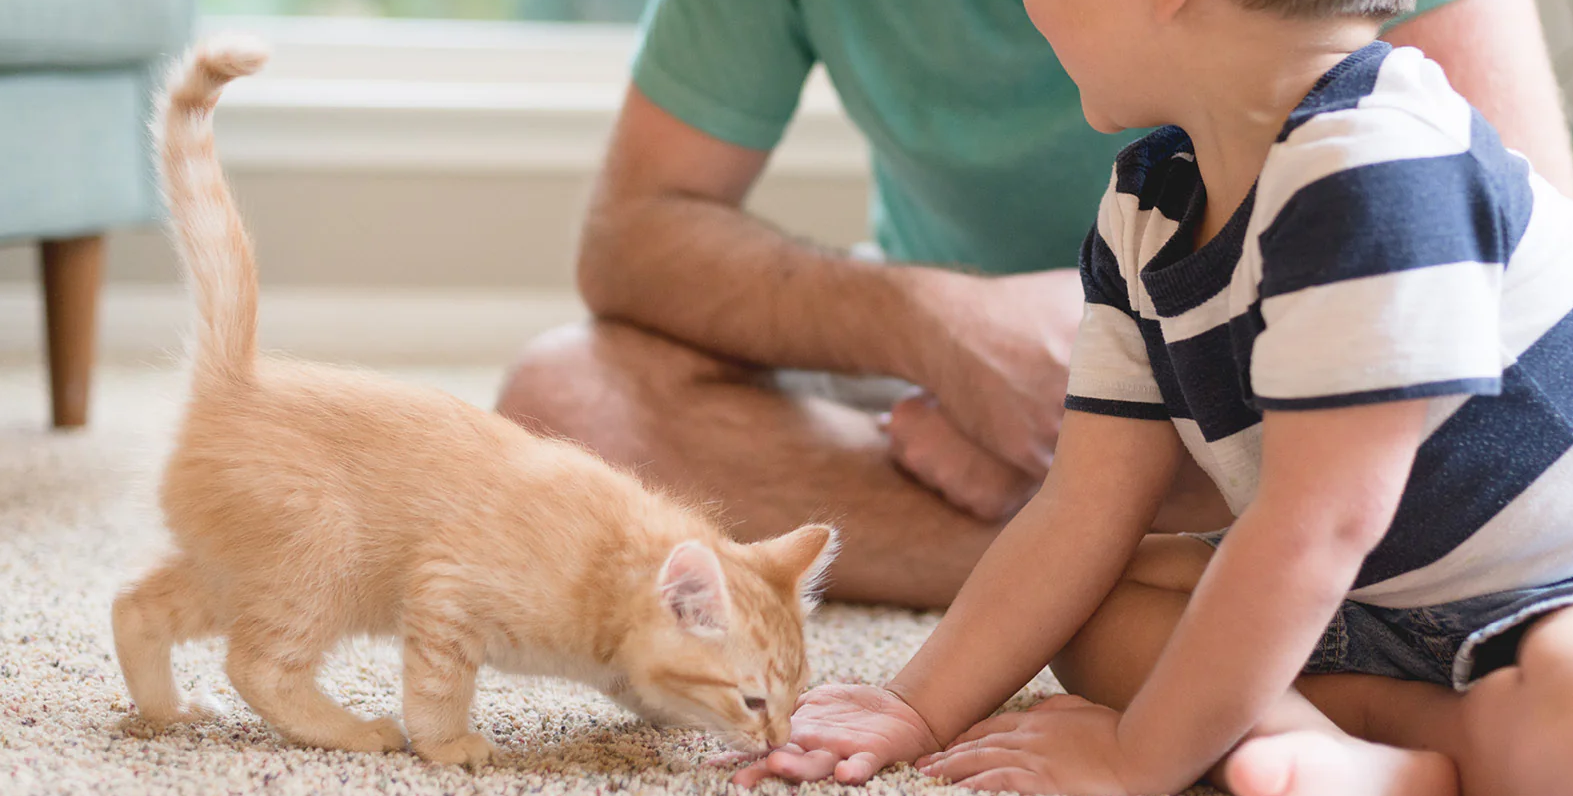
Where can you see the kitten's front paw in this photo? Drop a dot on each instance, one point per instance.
(376, 735)
(145, 724)
(468, 750)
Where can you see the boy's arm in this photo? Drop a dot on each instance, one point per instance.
(1331, 483)
(1046, 573)
(1038, 583)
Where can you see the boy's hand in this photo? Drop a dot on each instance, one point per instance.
(1063, 745)
(848, 731)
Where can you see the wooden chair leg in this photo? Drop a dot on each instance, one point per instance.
(72, 270)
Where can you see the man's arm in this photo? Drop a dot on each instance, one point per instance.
(1495, 54)
(667, 246)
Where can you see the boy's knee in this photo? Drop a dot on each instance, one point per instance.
(1172, 563)
(1545, 663)
(1519, 718)
(1546, 653)
(1164, 562)
(1161, 563)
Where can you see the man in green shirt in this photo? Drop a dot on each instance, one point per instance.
(709, 323)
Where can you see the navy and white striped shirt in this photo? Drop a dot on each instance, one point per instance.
(1392, 249)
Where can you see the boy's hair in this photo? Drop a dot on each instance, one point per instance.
(1380, 9)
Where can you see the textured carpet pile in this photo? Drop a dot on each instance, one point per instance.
(77, 520)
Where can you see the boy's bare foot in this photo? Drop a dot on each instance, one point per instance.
(1316, 763)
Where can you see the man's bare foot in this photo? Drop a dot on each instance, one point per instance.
(930, 448)
(1315, 763)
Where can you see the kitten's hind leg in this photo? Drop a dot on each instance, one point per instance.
(439, 685)
(169, 606)
(275, 671)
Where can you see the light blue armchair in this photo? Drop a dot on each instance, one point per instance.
(76, 78)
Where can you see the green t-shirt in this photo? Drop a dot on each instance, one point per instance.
(981, 156)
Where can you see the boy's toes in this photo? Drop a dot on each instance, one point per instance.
(1263, 767)
(467, 750)
(1314, 763)
(376, 735)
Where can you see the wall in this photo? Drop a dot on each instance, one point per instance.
(1558, 18)
(507, 230)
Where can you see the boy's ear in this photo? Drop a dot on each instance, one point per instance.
(693, 589)
(799, 560)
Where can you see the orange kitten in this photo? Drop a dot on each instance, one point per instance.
(309, 504)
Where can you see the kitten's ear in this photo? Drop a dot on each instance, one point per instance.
(798, 560)
(693, 588)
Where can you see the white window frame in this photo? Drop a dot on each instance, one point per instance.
(443, 95)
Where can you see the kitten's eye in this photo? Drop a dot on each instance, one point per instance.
(755, 704)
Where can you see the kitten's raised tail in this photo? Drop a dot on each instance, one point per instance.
(208, 229)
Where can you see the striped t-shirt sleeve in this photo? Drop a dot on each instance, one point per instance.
(1110, 373)
(1380, 278)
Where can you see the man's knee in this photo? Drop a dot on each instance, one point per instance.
(586, 369)
(533, 392)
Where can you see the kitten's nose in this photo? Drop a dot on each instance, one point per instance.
(778, 733)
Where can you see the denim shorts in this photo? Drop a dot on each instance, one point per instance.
(1453, 644)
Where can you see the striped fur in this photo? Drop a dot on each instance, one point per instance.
(308, 504)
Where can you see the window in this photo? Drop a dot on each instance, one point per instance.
(615, 11)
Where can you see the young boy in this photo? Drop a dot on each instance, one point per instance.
(1328, 282)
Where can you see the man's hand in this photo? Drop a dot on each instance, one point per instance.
(846, 731)
(997, 356)
(928, 446)
(1063, 745)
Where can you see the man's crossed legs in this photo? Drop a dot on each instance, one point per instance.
(771, 458)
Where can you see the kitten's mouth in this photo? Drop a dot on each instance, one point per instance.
(748, 745)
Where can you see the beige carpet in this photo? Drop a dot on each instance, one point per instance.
(76, 521)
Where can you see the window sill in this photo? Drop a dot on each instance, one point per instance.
(380, 95)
